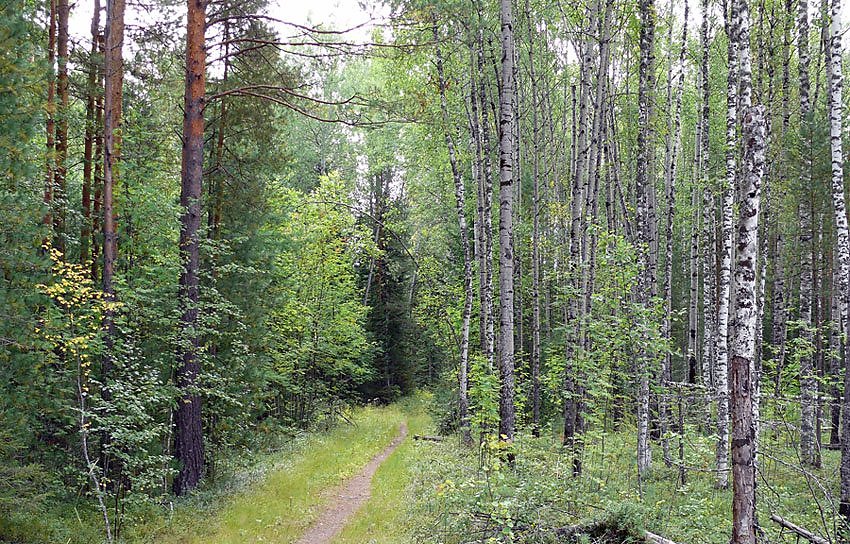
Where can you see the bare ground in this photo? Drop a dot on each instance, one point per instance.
(347, 499)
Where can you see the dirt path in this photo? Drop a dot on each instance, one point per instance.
(347, 499)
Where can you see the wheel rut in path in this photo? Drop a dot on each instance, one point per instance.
(347, 499)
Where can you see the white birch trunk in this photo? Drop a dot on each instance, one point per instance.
(721, 362)
(807, 380)
(836, 129)
(506, 198)
(644, 190)
(460, 206)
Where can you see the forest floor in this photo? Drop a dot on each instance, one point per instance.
(407, 491)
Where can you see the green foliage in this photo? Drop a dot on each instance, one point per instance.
(322, 351)
(483, 395)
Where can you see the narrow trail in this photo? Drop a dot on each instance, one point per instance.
(347, 499)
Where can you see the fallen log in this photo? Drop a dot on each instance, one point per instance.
(428, 438)
(653, 538)
(805, 533)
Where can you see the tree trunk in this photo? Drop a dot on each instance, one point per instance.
(836, 326)
(97, 175)
(50, 108)
(88, 144)
(60, 197)
(807, 379)
(486, 194)
(644, 190)
(743, 338)
(744, 325)
(836, 122)
(506, 228)
(535, 235)
(460, 205)
(673, 140)
(189, 440)
(709, 313)
(722, 353)
(114, 81)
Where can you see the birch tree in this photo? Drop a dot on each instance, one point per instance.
(506, 228)
(644, 187)
(724, 287)
(807, 380)
(460, 205)
(746, 313)
(836, 129)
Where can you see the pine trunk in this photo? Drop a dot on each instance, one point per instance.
(60, 196)
(189, 440)
(89, 138)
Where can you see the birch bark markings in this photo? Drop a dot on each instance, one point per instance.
(836, 126)
(673, 140)
(721, 369)
(535, 235)
(460, 205)
(708, 216)
(644, 186)
(745, 321)
(506, 197)
(486, 197)
(807, 382)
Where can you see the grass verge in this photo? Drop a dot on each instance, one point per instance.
(282, 504)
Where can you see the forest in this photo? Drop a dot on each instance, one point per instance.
(450, 271)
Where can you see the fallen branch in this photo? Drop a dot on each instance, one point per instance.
(808, 535)
(428, 438)
(653, 538)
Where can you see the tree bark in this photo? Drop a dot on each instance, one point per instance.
(644, 190)
(460, 206)
(721, 371)
(506, 228)
(89, 139)
(535, 235)
(709, 313)
(60, 198)
(50, 107)
(807, 380)
(743, 341)
(674, 102)
(486, 196)
(189, 440)
(839, 204)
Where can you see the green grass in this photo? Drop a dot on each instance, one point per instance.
(280, 506)
(385, 519)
